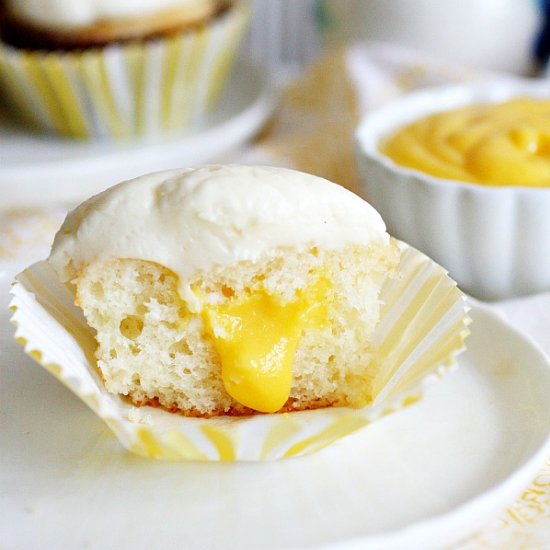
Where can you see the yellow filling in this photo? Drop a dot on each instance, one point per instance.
(492, 144)
(256, 335)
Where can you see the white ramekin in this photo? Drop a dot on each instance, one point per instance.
(495, 241)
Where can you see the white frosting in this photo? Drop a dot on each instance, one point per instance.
(73, 14)
(192, 219)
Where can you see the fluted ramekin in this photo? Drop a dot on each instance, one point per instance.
(495, 241)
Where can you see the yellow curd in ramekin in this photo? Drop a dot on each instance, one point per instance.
(495, 144)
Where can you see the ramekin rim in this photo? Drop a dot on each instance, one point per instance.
(436, 99)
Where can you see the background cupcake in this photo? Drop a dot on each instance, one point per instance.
(117, 69)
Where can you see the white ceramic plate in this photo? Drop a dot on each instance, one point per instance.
(34, 166)
(421, 478)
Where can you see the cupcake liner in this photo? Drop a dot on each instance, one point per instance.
(119, 91)
(423, 325)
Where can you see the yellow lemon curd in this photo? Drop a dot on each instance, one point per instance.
(256, 335)
(492, 144)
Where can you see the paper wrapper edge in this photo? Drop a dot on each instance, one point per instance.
(423, 325)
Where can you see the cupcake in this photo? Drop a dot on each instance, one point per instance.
(116, 69)
(236, 313)
(229, 290)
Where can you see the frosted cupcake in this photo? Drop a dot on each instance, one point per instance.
(116, 69)
(230, 290)
(236, 313)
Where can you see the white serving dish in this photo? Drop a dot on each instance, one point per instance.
(426, 477)
(493, 240)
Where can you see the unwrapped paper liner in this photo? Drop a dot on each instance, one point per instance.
(423, 325)
(124, 90)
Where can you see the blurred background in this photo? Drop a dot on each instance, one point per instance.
(501, 35)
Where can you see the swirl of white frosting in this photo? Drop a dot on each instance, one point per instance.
(192, 219)
(75, 14)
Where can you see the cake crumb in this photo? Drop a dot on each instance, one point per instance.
(137, 416)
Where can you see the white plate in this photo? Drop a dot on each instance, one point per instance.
(421, 478)
(35, 166)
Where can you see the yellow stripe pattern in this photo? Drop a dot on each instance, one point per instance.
(283, 429)
(223, 441)
(13, 87)
(336, 430)
(62, 90)
(88, 94)
(416, 308)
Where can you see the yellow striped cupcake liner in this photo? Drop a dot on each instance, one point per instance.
(121, 91)
(423, 326)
